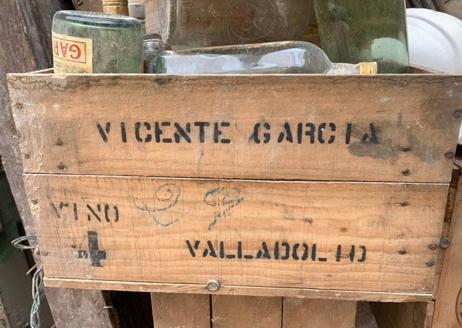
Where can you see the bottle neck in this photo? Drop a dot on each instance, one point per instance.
(356, 69)
(119, 7)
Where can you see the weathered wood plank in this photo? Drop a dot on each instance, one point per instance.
(382, 128)
(448, 306)
(26, 46)
(343, 236)
(180, 310)
(306, 313)
(246, 312)
(401, 315)
(311, 293)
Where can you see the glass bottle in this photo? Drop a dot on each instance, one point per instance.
(138, 11)
(365, 30)
(273, 57)
(119, 7)
(87, 42)
(205, 23)
(153, 46)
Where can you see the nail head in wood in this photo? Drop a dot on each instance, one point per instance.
(430, 263)
(445, 243)
(213, 285)
(449, 155)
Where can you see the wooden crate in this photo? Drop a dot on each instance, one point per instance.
(327, 187)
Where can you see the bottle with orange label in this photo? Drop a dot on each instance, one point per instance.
(88, 42)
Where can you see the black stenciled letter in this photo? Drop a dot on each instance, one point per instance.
(95, 213)
(192, 249)
(263, 252)
(322, 128)
(182, 132)
(166, 140)
(285, 256)
(363, 255)
(217, 132)
(138, 137)
(107, 210)
(286, 134)
(210, 249)
(256, 133)
(104, 132)
(55, 210)
(202, 126)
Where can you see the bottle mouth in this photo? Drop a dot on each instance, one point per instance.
(97, 19)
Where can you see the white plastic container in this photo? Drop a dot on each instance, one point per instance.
(435, 40)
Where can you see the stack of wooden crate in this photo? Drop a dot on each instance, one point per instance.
(286, 198)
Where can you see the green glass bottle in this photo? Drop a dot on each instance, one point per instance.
(87, 42)
(289, 57)
(207, 23)
(365, 30)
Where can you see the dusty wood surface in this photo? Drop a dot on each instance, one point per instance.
(239, 290)
(15, 285)
(448, 307)
(404, 315)
(78, 308)
(402, 128)
(154, 11)
(246, 312)
(305, 313)
(452, 7)
(180, 310)
(369, 236)
(88, 5)
(24, 48)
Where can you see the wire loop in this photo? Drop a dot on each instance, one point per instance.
(19, 243)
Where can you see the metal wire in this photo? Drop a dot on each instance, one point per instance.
(37, 293)
(37, 278)
(19, 243)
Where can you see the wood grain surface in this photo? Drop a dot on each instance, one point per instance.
(26, 46)
(448, 306)
(367, 237)
(381, 128)
(306, 313)
(403, 315)
(180, 310)
(246, 312)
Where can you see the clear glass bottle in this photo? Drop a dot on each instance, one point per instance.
(87, 42)
(205, 23)
(153, 46)
(273, 57)
(365, 30)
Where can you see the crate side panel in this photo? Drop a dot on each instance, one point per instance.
(341, 236)
(383, 128)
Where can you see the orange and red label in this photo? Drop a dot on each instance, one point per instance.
(72, 54)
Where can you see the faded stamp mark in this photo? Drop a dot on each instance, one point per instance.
(166, 197)
(223, 200)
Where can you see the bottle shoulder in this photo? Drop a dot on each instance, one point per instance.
(96, 19)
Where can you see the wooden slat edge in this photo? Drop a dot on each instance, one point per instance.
(248, 180)
(152, 287)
